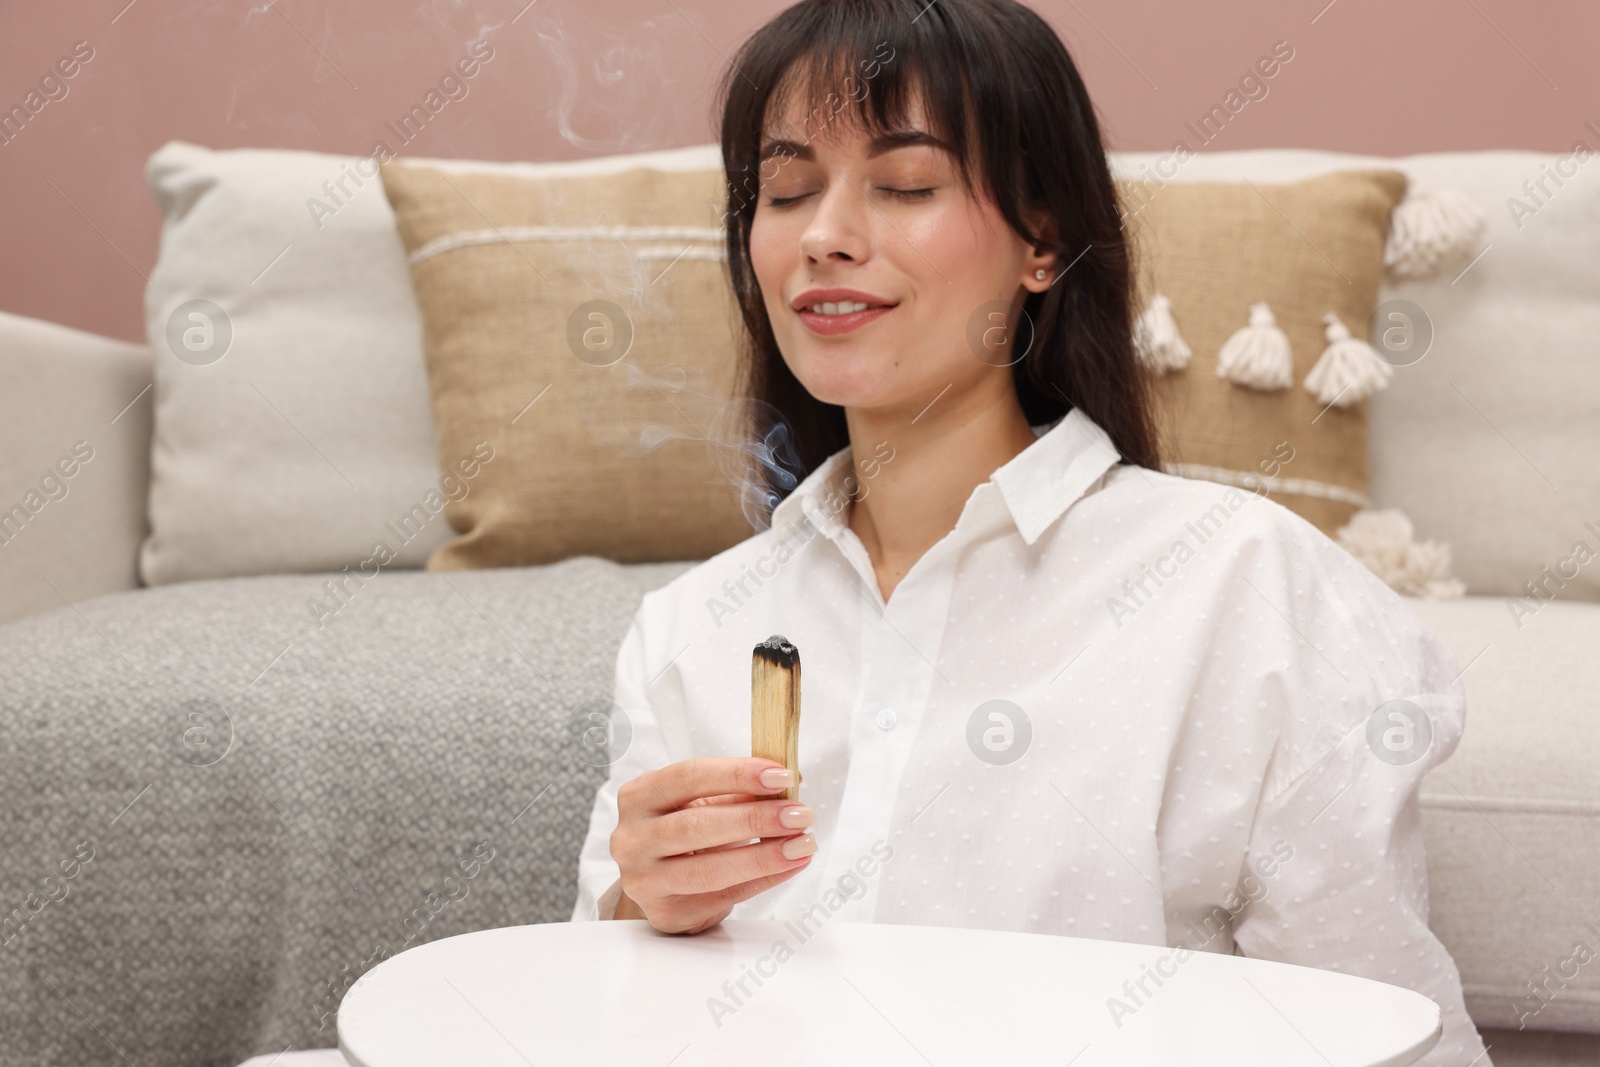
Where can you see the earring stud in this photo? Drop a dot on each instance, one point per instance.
(1039, 274)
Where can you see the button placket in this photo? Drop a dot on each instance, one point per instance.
(867, 800)
(897, 679)
(900, 645)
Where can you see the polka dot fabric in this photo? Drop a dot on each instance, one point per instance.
(1123, 705)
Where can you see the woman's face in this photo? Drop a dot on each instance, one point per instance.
(943, 271)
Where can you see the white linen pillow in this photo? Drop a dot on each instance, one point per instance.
(292, 428)
(309, 428)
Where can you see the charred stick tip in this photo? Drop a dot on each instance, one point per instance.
(778, 651)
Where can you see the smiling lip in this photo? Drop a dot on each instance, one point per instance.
(829, 325)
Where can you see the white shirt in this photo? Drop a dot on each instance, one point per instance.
(1197, 670)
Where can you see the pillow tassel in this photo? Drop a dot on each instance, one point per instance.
(1156, 340)
(1258, 355)
(1431, 229)
(1382, 540)
(1349, 370)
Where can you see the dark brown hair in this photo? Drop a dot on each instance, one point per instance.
(1039, 148)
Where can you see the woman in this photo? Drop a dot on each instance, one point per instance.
(1046, 686)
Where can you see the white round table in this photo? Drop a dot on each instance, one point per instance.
(621, 993)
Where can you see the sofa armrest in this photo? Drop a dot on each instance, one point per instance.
(75, 419)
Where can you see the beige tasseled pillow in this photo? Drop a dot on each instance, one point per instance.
(583, 327)
(1307, 248)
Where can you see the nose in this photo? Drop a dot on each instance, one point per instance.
(839, 228)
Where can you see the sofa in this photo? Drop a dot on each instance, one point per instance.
(215, 819)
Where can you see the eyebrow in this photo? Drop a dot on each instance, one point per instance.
(884, 142)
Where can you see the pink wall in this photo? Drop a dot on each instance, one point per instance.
(572, 78)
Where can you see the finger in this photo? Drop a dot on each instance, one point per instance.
(692, 915)
(686, 913)
(786, 832)
(725, 798)
(722, 869)
(746, 890)
(675, 785)
(702, 827)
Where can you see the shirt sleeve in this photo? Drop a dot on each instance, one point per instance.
(636, 747)
(1374, 701)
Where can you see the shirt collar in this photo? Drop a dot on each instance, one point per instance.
(1036, 485)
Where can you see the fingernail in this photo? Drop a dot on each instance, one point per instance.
(795, 847)
(777, 778)
(796, 817)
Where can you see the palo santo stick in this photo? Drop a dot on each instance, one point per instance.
(775, 706)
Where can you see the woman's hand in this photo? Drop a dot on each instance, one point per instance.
(682, 840)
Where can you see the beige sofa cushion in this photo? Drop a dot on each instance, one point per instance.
(1487, 443)
(1512, 819)
(74, 464)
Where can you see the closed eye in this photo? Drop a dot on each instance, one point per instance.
(904, 194)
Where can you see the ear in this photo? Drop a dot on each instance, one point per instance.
(1039, 259)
